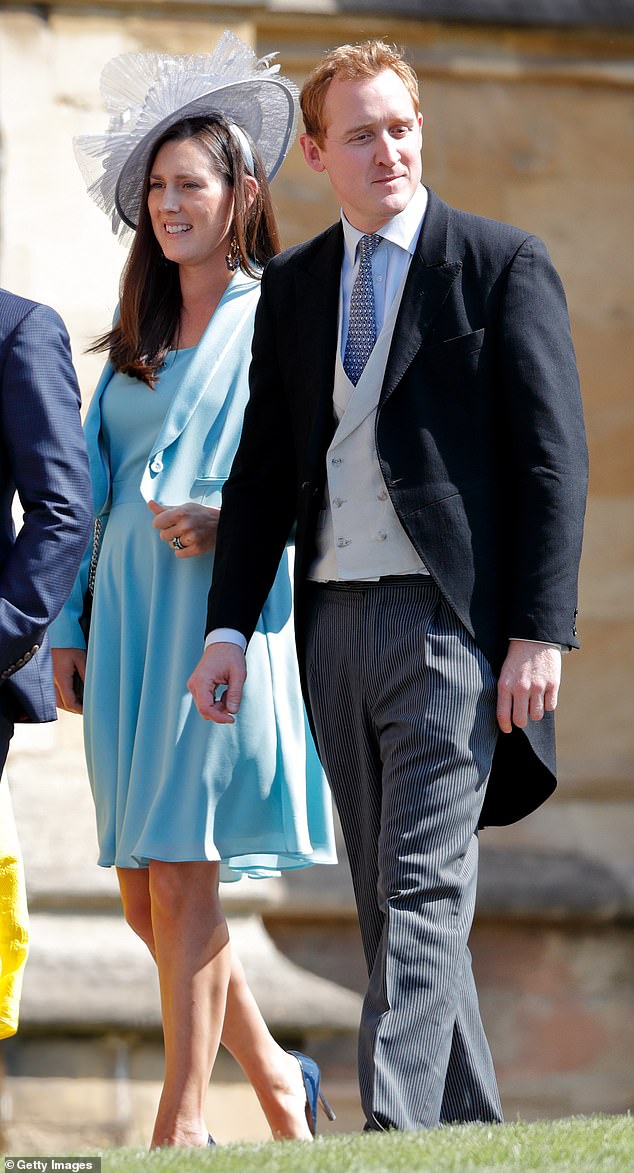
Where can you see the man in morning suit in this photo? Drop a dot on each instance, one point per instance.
(415, 411)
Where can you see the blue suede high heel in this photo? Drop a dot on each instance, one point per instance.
(312, 1079)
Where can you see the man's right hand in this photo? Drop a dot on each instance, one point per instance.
(67, 662)
(221, 664)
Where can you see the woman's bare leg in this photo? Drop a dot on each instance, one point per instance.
(174, 908)
(192, 954)
(134, 886)
(274, 1074)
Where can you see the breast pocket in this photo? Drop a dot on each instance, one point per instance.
(455, 361)
(208, 491)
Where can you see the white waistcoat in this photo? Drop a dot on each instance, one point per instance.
(359, 535)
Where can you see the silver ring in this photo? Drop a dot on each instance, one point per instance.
(177, 544)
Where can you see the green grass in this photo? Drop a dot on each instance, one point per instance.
(597, 1144)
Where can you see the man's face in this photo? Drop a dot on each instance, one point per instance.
(372, 148)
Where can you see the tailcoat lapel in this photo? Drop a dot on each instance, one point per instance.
(429, 280)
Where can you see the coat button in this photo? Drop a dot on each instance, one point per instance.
(156, 465)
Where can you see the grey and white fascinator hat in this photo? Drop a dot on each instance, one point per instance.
(147, 93)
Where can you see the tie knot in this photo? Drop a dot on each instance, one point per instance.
(368, 245)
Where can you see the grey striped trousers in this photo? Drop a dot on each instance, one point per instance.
(404, 709)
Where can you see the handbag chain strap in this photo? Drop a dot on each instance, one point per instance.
(94, 557)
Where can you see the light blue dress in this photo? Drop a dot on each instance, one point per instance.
(168, 785)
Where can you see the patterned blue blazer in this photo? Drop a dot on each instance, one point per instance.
(43, 459)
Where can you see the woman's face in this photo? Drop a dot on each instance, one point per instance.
(190, 205)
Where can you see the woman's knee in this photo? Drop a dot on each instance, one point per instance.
(176, 888)
(138, 914)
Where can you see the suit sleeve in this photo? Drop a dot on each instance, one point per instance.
(259, 498)
(545, 450)
(43, 443)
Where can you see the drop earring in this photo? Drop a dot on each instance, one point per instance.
(232, 259)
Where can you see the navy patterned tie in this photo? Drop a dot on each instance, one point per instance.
(362, 322)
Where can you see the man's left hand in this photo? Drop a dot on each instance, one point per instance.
(529, 683)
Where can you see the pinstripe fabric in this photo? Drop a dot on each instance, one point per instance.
(404, 708)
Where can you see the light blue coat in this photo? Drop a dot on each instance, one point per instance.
(254, 797)
(192, 454)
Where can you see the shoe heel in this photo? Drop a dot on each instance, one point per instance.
(314, 1096)
(326, 1107)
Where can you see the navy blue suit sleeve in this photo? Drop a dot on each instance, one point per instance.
(43, 458)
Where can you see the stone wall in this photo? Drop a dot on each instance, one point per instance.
(528, 125)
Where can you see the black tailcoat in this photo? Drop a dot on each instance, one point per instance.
(480, 438)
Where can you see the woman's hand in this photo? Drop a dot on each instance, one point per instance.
(69, 668)
(190, 529)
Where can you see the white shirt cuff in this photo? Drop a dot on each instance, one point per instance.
(226, 635)
(563, 648)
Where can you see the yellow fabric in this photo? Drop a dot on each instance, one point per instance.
(14, 922)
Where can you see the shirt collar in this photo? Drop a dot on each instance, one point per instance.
(403, 229)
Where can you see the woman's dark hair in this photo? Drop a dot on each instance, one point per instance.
(150, 294)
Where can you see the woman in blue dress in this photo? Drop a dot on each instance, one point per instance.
(178, 806)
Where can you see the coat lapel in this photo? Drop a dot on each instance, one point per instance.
(221, 334)
(429, 280)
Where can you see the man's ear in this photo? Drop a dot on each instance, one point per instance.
(312, 152)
